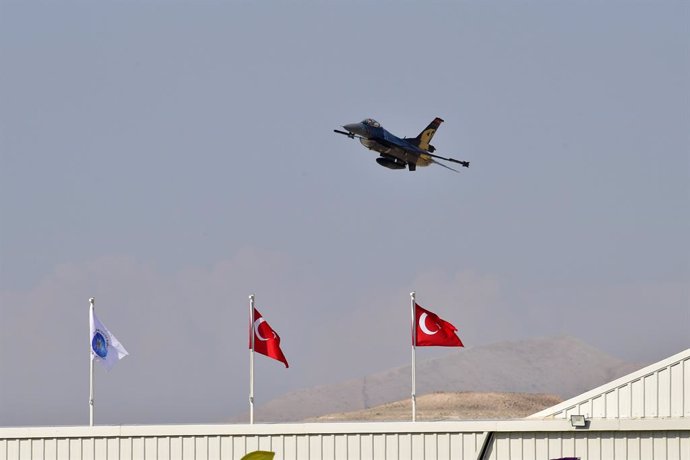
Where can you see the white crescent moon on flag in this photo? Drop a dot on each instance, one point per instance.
(257, 323)
(422, 325)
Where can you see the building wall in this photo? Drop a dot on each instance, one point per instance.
(611, 445)
(357, 443)
(308, 447)
(514, 440)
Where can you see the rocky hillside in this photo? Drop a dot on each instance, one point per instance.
(451, 406)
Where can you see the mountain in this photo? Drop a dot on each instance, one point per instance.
(562, 366)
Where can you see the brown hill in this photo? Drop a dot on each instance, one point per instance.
(452, 406)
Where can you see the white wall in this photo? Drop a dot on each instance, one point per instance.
(519, 439)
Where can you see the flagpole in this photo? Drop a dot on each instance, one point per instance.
(251, 360)
(414, 344)
(92, 301)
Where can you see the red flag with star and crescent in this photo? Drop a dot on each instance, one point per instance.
(266, 340)
(432, 331)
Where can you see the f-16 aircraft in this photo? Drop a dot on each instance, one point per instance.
(397, 153)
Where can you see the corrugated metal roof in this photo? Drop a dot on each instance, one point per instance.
(661, 390)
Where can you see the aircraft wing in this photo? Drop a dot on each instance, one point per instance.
(391, 140)
(445, 166)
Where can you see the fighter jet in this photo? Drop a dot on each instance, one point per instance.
(397, 153)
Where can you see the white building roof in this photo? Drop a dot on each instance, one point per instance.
(661, 390)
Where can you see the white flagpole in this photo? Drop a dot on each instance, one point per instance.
(414, 344)
(251, 360)
(92, 301)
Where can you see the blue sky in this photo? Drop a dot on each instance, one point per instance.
(171, 158)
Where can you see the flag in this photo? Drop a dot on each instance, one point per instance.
(266, 340)
(104, 346)
(432, 331)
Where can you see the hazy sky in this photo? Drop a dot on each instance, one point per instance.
(171, 158)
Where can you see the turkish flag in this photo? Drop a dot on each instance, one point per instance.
(266, 340)
(432, 331)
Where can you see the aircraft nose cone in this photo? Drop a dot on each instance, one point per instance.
(355, 128)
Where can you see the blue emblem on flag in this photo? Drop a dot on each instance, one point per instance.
(99, 345)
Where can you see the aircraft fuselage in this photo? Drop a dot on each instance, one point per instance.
(389, 145)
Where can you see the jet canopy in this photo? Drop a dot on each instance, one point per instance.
(371, 122)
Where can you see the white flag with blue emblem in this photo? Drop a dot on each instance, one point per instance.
(104, 346)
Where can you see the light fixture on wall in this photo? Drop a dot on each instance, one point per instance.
(578, 421)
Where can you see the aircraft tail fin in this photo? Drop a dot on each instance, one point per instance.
(422, 141)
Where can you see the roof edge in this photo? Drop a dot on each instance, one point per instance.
(560, 407)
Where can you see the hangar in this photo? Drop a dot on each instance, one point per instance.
(644, 415)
